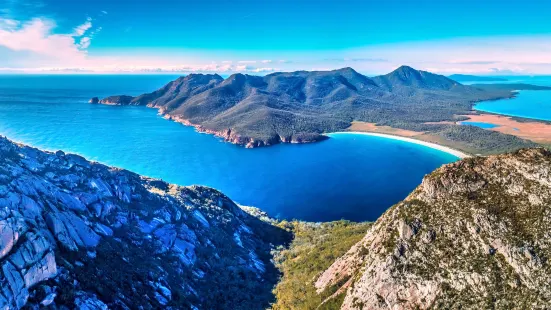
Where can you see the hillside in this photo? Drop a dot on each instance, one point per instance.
(408, 80)
(299, 107)
(473, 235)
(315, 246)
(78, 234)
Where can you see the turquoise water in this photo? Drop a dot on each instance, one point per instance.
(542, 80)
(535, 104)
(355, 177)
(480, 124)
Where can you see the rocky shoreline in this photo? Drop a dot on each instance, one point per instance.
(112, 100)
(228, 135)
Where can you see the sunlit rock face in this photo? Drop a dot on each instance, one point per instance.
(474, 234)
(75, 233)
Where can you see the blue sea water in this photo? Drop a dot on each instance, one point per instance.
(535, 104)
(480, 124)
(354, 177)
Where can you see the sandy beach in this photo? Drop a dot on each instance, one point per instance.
(446, 149)
(536, 131)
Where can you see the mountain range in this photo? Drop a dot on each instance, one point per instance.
(301, 106)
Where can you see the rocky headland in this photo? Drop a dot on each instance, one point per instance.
(473, 235)
(79, 234)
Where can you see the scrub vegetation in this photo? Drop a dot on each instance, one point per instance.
(314, 248)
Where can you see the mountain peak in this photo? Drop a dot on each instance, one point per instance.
(406, 78)
(240, 80)
(406, 68)
(346, 69)
(406, 72)
(200, 75)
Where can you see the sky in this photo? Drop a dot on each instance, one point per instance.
(225, 36)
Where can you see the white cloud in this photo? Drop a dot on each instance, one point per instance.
(519, 54)
(84, 43)
(36, 42)
(81, 29)
(129, 66)
(37, 46)
(37, 36)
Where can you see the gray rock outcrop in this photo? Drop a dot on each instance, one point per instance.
(473, 235)
(78, 234)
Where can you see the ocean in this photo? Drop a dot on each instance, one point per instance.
(535, 104)
(353, 177)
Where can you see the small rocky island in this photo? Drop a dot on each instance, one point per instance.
(299, 107)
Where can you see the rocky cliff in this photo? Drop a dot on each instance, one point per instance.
(474, 235)
(78, 234)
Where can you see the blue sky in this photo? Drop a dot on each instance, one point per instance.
(486, 37)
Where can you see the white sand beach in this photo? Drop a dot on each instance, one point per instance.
(410, 140)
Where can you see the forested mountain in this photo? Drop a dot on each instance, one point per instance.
(301, 106)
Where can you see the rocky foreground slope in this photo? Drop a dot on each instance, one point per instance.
(78, 234)
(476, 234)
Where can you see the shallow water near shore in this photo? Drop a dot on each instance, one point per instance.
(354, 177)
(534, 104)
(480, 124)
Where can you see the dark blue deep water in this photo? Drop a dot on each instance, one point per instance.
(355, 177)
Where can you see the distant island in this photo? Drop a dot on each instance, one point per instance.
(301, 106)
(511, 86)
(475, 78)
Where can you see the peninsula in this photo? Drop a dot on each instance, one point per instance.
(301, 106)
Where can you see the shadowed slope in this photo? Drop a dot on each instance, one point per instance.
(82, 235)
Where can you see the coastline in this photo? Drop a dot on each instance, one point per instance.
(229, 136)
(534, 130)
(435, 146)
